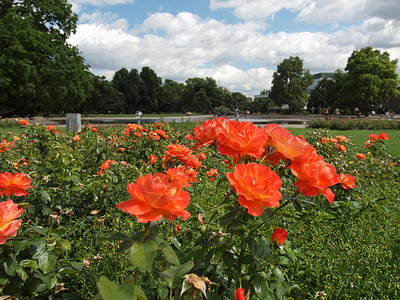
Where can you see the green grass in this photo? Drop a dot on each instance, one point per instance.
(360, 136)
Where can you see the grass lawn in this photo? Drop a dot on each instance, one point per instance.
(360, 136)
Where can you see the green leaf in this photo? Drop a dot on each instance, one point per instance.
(143, 253)
(227, 218)
(21, 273)
(262, 290)
(168, 252)
(267, 216)
(47, 261)
(10, 265)
(263, 248)
(28, 263)
(174, 274)
(128, 290)
(64, 244)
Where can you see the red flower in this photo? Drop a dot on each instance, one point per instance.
(212, 172)
(155, 196)
(8, 224)
(76, 138)
(342, 138)
(179, 151)
(239, 295)
(23, 122)
(374, 137)
(256, 185)
(279, 236)
(347, 181)
(14, 184)
(242, 138)
(361, 156)
(182, 174)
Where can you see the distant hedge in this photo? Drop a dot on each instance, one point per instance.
(348, 124)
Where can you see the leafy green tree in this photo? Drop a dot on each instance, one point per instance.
(170, 96)
(127, 83)
(104, 98)
(149, 89)
(371, 78)
(289, 84)
(39, 70)
(241, 101)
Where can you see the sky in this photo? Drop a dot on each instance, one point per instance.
(239, 43)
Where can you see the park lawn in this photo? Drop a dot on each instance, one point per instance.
(359, 137)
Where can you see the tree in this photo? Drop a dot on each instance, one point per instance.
(170, 96)
(39, 70)
(127, 83)
(371, 78)
(149, 88)
(289, 84)
(327, 93)
(104, 98)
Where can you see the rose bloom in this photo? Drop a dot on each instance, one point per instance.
(183, 175)
(279, 236)
(239, 294)
(192, 162)
(368, 144)
(154, 197)
(76, 138)
(347, 181)
(314, 176)
(14, 184)
(152, 159)
(342, 138)
(242, 138)
(179, 151)
(384, 136)
(361, 156)
(206, 133)
(51, 128)
(212, 172)
(256, 185)
(23, 122)
(94, 129)
(8, 224)
(341, 148)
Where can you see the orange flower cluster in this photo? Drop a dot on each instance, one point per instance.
(375, 138)
(135, 128)
(156, 196)
(53, 128)
(361, 156)
(9, 212)
(14, 184)
(5, 146)
(184, 154)
(104, 166)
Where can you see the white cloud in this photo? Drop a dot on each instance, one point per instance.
(239, 56)
(256, 9)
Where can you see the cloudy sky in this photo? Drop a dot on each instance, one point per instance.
(239, 43)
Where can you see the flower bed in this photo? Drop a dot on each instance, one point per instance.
(226, 210)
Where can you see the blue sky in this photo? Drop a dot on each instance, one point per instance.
(237, 42)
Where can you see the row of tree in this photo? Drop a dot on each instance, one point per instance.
(41, 72)
(131, 91)
(370, 80)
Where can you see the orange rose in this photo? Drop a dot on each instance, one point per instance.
(347, 181)
(361, 156)
(341, 148)
(279, 236)
(242, 138)
(183, 175)
(384, 136)
(315, 176)
(14, 184)
(8, 224)
(342, 138)
(152, 159)
(206, 133)
(179, 151)
(23, 122)
(154, 196)
(256, 185)
(239, 294)
(285, 145)
(76, 138)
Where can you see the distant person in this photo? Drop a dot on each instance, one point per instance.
(327, 114)
(358, 113)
